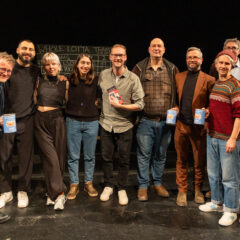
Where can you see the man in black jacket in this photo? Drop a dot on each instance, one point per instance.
(19, 101)
(6, 65)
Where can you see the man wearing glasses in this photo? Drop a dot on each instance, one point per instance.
(122, 94)
(232, 44)
(6, 65)
(193, 89)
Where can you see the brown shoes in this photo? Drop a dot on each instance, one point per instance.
(142, 194)
(199, 197)
(161, 191)
(181, 199)
(88, 187)
(74, 189)
(208, 194)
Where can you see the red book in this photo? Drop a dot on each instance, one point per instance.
(113, 92)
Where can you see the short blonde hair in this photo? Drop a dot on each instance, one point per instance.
(7, 57)
(194, 49)
(120, 46)
(51, 57)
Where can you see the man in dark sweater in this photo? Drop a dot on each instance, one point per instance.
(19, 101)
(193, 89)
(6, 65)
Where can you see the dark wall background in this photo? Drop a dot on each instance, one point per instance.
(180, 23)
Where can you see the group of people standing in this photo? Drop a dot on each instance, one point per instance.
(152, 87)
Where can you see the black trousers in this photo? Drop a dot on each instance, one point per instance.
(123, 141)
(50, 134)
(24, 141)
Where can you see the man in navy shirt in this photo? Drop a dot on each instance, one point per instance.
(6, 65)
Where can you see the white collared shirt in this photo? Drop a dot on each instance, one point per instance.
(236, 70)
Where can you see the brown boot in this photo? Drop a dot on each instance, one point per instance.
(182, 199)
(74, 189)
(208, 194)
(199, 197)
(88, 187)
(161, 191)
(142, 194)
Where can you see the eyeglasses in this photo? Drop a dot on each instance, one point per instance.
(118, 55)
(193, 58)
(232, 48)
(5, 70)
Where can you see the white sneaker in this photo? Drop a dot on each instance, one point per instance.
(107, 192)
(227, 219)
(23, 200)
(5, 198)
(59, 203)
(210, 207)
(49, 202)
(122, 197)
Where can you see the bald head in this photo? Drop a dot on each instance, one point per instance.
(156, 48)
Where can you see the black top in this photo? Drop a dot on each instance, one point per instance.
(20, 90)
(186, 115)
(2, 103)
(81, 101)
(51, 92)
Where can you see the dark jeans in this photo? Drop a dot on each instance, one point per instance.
(50, 133)
(123, 141)
(24, 141)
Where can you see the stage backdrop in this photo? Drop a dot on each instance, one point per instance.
(68, 55)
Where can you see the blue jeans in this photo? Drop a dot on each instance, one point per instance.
(153, 138)
(78, 133)
(223, 173)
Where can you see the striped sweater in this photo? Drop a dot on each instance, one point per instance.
(224, 107)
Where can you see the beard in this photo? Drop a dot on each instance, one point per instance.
(25, 61)
(194, 68)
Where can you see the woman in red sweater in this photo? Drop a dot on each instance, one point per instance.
(223, 142)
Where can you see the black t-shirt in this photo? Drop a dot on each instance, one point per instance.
(51, 92)
(186, 115)
(20, 90)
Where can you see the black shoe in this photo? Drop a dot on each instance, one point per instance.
(4, 217)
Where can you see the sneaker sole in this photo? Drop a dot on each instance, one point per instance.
(217, 210)
(105, 200)
(5, 219)
(7, 202)
(58, 209)
(226, 225)
(23, 206)
(123, 204)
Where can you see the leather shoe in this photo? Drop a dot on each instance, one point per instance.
(74, 189)
(199, 197)
(4, 217)
(208, 194)
(88, 187)
(161, 191)
(181, 199)
(142, 194)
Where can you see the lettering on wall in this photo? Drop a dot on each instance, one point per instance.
(68, 55)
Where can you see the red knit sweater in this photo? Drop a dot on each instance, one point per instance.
(224, 107)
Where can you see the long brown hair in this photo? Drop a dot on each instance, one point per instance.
(75, 75)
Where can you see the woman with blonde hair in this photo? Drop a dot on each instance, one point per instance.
(50, 130)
